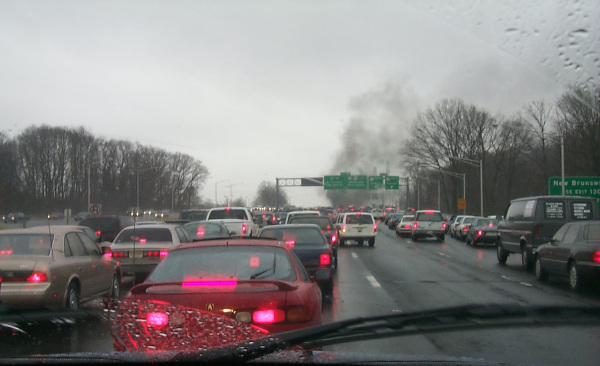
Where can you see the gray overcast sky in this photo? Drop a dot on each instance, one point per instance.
(262, 89)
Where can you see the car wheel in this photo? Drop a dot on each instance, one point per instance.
(115, 289)
(501, 253)
(72, 297)
(441, 237)
(468, 241)
(327, 288)
(575, 280)
(525, 260)
(372, 242)
(540, 273)
(361, 242)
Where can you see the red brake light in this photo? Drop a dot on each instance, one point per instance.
(108, 253)
(415, 225)
(444, 225)
(163, 253)
(6, 252)
(479, 233)
(268, 316)
(596, 257)
(227, 208)
(244, 228)
(429, 212)
(290, 243)
(325, 259)
(157, 319)
(333, 239)
(374, 228)
(37, 277)
(98, 233)
(142, 240)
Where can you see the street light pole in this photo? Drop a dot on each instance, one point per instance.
(477, 163)
(458, 175)
(221, 181)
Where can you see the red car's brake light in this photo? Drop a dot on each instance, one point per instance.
(268, 316)
(157, 320)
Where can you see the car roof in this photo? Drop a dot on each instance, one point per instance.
(44, 229)
(150, 226)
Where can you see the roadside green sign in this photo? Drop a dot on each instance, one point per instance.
(345, 181)
(575, 186)
(375, 182)
(392, 182)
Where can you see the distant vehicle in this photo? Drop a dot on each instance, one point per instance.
(463, 227)
(392, 220)
(202, 230)
(300, 213)
(239, 220)
(81, 215)
(357, 226)
(532, 221)
(54, 265)
(482, 231)
(106, 227)
(428, 223)
(193, 214)
(140, 248)
(16, 217)
(377, 214)
(257, 282)
(454, 227)
(310, 245)
(134, 211)
(404, 226)
(162, 214)
(328, 229)
(56, 215)
(573, 252)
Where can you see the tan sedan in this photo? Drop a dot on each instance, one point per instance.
(54, 266)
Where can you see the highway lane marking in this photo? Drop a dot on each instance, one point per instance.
(354, 255)
(444, 255)
(373, 281)
(518, 281)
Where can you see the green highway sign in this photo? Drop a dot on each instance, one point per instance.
(375, 182)
(345, 181)
(392, 182)
(575, 186)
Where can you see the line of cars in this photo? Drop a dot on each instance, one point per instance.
(554, 235)
(276, 281)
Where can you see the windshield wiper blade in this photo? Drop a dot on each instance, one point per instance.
(441, 320)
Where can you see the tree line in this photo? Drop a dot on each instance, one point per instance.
(518, 154)
(46, 169)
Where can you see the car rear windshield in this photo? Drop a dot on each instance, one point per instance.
(592, 232)
(359, 219)
(144, 235)
(25, 244)
(104, 224)
(430, 216)
(203, 229)
(302, 236)
(228, 214)
(321, 221)
(224, 263)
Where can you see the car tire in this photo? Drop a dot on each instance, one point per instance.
(501, 253)
(327, 288)
(372, 242)
(525, 260)
(468, 241)
(540, 273)
(361, 242)
(72, 301)
(575, 280)
(115, 287)
(441, 238)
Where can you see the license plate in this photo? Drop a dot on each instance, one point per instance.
(137, 254)
(359, 229)
(429, 232)
(491, 234)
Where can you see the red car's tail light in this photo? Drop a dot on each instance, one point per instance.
(596, 257)
(209, 283)
(325, 259)
(157, 320)
(37, 277)
(268, 316)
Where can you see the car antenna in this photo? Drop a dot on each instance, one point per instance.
(50, 237)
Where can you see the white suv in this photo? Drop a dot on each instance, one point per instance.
(357, 226)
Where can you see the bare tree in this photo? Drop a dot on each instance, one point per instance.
(266, 195)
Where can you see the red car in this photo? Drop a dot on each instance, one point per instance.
(255, 281)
